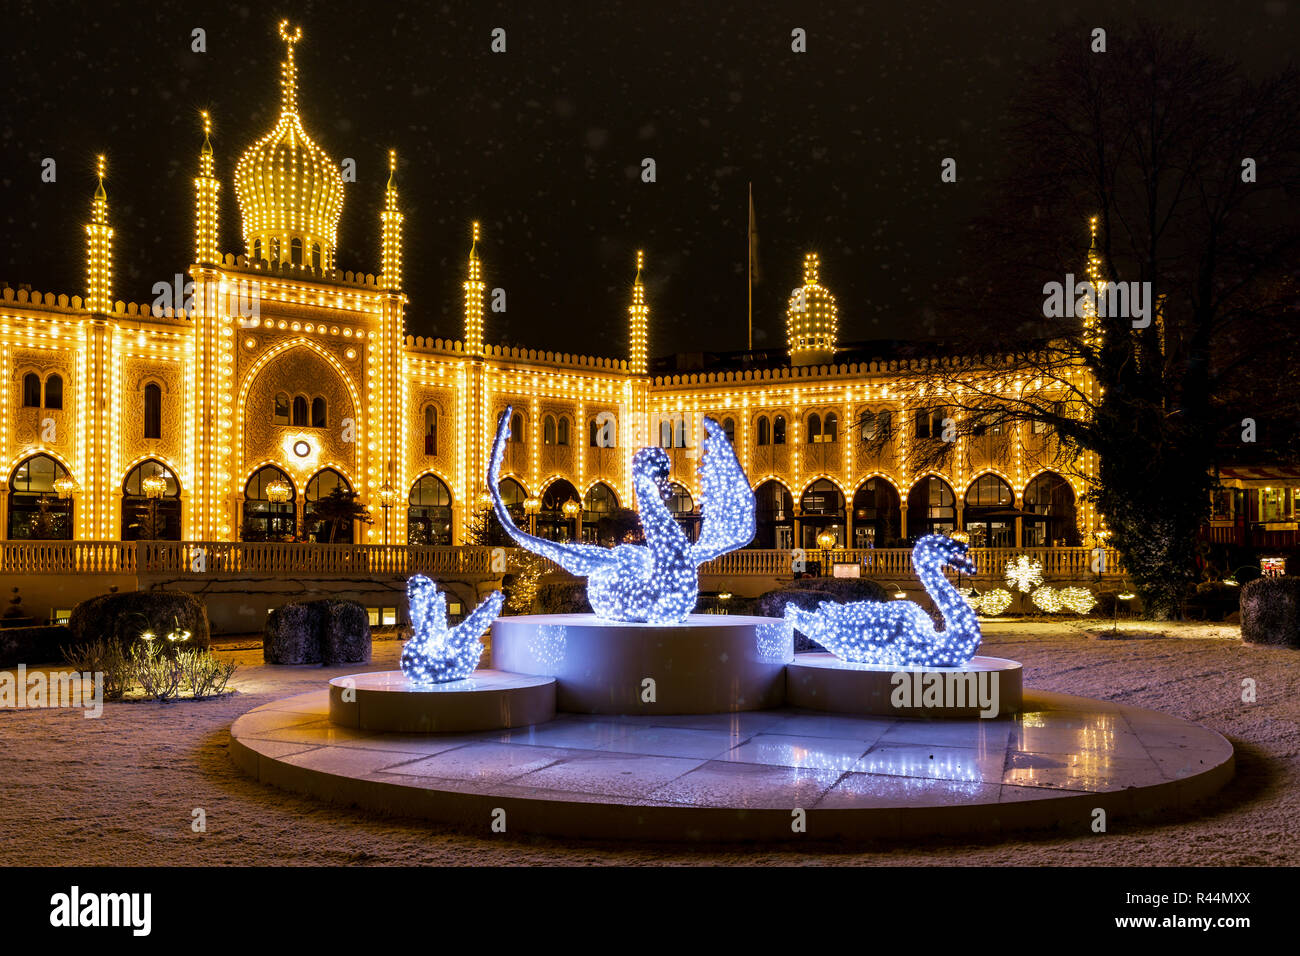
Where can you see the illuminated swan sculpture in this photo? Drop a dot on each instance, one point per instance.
(658, 582)
(899, 633)
(437, 653)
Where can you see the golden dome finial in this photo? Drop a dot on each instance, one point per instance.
(207, 129)
(101, 167)
(811, 265)
(640, 264)
(392, 167)
(473, 248)
(289, 69)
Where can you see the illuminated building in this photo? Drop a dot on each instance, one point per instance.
(266, 378)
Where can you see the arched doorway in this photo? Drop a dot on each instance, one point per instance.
(37, 511)
(1050, 499)
(773, 516)
(269, 509)
(428, 516)
(598, 503)
(990, 515)
(552, 522)
(146, 517)
(512, 496)
(822, 509)
(876, 514)
(931, 508)
(318, 521)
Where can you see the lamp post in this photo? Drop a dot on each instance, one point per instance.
(65, 487)
(826, 542)
(531, 507)
(572, 509)
(153, 487)
(277, 492)
(387, 495)
(961, 537)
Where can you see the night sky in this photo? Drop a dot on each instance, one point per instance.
(543, 144)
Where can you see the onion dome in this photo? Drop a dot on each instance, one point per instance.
(811, 322)
(290, 192)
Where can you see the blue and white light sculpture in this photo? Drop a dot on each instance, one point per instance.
(899, 633)
(436, 653)
(657, 582)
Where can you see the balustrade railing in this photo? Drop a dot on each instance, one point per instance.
(277, 559)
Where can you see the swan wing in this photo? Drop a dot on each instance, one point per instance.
(726, 500)
(580, 559)
(478, 620)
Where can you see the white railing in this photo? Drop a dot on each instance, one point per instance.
(990, 563)
(274, 559)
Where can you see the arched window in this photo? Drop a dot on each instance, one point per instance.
(149, 518)
(885, 424)
(318, 412)
(729, 429)
(989, 517)
(315, 256)
(281, 414)
(593, 434)
(275, 250)
(868, 425)
(265, 517)
(875, 515)
(822, 507)
(517, 427)
(681, 432)
(665, 434)
(430, 430)
(512, 496)
(323, 515)
(562, 431)
(548, 430)
(552, 522)
(814, 429)
(300, 410)
(31, 390)
(831, 428)
(599, 503)
(764, 431)
(257, 250)
(428, 517)
(931, 508)
(295, 250)
(778, 430)
(54, 391)
(773, 516)
(152, 411)
(35, 509)
(1050, 499)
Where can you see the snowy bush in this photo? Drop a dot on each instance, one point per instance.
(1270, 611)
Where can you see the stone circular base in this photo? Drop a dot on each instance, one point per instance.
(986, 687)
(753, 776)
(486, 700)
(708, 664)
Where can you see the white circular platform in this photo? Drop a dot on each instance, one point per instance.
(986, 687)
(486, 700)
(753, 776)
(708, 664)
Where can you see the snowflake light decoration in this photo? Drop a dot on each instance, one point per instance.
(1024, 573)
(436, 653)
(899, 633)
(656, 582)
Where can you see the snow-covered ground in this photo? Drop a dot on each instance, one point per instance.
(122, 789)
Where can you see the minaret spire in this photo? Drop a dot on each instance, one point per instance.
(99, 248)
(289, 69)
(391, 230)
(639, 315)
(474, 287)
(205, 200)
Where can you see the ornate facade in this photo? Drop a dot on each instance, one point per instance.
(239, 399)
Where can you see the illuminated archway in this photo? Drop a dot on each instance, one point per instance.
(428, 513)
(148, 518)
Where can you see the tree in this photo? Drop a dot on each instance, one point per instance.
(340, 508)
(482, 529)
(1152, 139)
(620, 526)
